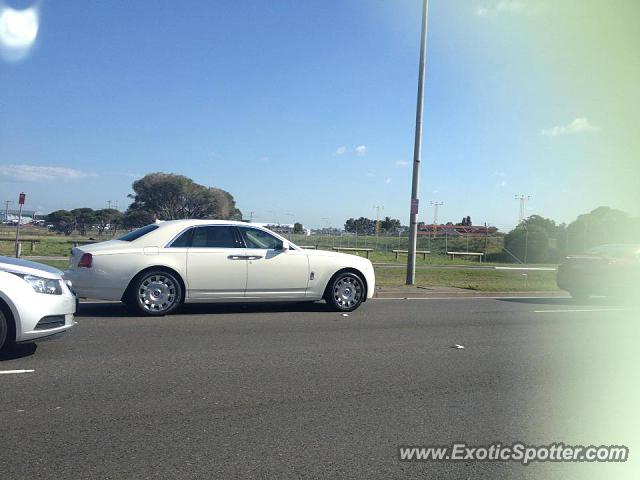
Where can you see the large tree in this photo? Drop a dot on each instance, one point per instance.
(600, 226)
(107, 218)
(167, 196)
(83, 219)
(62, 221)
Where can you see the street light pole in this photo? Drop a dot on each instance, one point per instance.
(417, 151)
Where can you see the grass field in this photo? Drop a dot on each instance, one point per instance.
(480, 280)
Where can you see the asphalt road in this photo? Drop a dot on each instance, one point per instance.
(298, 392)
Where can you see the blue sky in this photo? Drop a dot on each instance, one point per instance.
(306, 110)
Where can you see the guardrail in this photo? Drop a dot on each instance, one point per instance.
(466, 254)
(31, 242)
(367, 251)
(424, 253)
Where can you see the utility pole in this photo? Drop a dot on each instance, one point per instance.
(435, 206)
(378, 208)
(523, 199)
(417, 151)
(251, 216)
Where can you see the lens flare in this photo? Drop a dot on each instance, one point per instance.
(18, 31)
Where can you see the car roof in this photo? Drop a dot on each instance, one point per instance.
(188, 222)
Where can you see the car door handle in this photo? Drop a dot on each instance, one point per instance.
(253, 257)
(237, 257)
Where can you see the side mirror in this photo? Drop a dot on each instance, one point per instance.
(285, 245)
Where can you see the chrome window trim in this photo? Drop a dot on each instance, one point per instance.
(229, 225)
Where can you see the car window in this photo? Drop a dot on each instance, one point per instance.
(131, 236)
(184, 240)
(214, 237)
(255, 238)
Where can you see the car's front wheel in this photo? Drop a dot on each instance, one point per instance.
(156, 293)
(4, 329)
(346, 292)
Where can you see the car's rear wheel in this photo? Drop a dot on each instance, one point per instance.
(156, 293)
(579, 294)
(346, 292)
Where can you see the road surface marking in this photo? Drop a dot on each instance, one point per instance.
(463, 298)
(9, 372)
(543, 269)
(582, 310)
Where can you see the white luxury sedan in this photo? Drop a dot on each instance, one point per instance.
(158, 267)
(35, 302)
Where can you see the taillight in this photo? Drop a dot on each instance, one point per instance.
(85, 261)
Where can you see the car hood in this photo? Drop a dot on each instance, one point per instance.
(18, 265)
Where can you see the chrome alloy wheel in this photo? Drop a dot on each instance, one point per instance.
(157, 293)
(347, 291)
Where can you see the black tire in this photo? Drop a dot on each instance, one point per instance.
(4, 330)
(346, 292)
(579, 295)
(156, 293)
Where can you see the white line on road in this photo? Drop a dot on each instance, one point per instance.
(582, 310)
(9, 372)
(464, 298)
(543, 269)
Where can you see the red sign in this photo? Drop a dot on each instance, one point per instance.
(21, 198)
(414, 206)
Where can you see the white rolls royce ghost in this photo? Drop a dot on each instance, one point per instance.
(160, 266)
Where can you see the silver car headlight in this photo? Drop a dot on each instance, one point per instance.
(49, 286)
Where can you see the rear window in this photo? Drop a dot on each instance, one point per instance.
(131, 236)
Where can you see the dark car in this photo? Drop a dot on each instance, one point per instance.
(607, 270)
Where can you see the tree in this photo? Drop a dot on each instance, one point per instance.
(62, 221)
(167, 196)
(360, 226)
(83, 219)
(466, 222)
(390, 225)
(536, 239)
(600, 226)
(225, 205)
(529, 246)
(298, 228)
(134, 218)
(107, 218)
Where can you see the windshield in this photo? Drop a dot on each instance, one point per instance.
(131, 236)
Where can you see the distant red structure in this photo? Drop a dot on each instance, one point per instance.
(460, 230)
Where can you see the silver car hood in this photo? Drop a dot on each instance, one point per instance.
(18, 265)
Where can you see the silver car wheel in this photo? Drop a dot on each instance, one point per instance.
(347, 291)
(157, 293)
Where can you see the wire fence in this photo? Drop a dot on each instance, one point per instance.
(439, 244)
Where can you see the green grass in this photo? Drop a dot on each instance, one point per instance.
(481, 280)
(59, 264)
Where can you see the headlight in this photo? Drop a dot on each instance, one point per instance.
(42, 285)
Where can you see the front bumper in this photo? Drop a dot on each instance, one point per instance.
(30, 308)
